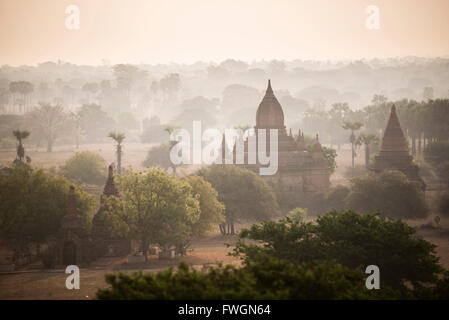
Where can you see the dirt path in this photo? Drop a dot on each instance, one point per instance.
(50, 284)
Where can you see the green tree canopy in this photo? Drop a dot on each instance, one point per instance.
(85, 167)
(266, 279)
(154, 208)
(350, 239)
(32, 204)
(159, 156)
(390, 193)
(244, 194)
(212, 210)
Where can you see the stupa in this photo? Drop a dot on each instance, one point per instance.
(394, 153)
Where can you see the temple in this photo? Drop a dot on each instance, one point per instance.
(394, 153)
(301, 169)
(105, 243)
(76, 245)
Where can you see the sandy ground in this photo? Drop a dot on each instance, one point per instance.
(50, 284)
(133, 154)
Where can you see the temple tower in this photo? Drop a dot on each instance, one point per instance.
(394, 153)
(105, 243)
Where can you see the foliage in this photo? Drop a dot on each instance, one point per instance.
(94, 121)
(212, 211)
(32, 204)
(350, 239)
(358, 170)
(265, 279)
(49, 122)
(85, 167)
(330, 155)
(20, 135)
(154, 208)
(367, 140)
(159, 156)
(390, 193)
(118, 137)
(437, 154)
(298, 215)
(244, 194)
(335, 198)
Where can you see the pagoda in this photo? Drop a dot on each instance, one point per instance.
(105, 243)
(394, 153)
(300, 169)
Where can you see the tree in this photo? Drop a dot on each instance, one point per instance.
(352, 126)
(50, 121)
(154, 208)
(90, 88)
(350, 239)
(390, 193)
(244, 194)
(367, 140)
(32, 204)
(212, 211)
(266, 279)
(85, 167)
(159, 156)
(298, 214)
(94, 121)
(20, 135)
(330, 155)
(24, 88)
(437, 154)
(118, 137)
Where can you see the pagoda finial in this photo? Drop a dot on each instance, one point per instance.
(109, 187)
(269, 89)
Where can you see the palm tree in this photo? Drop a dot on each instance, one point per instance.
(367, 140)
(20, 135)
(118, 137)
(353, 126)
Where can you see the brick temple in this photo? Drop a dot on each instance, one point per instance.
(301, 169)
(394, 153)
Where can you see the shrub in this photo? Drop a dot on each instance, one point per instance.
(159, 156)
(85, 167)
(350, 239)
(390, 193)
(265, 279)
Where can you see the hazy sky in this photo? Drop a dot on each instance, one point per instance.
(161, 31)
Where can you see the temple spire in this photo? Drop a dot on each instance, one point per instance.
(269, 89)
(109, 188)
(394, 138)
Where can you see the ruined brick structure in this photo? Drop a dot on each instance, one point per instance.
(74, 243)
(394, 153)
(104, 243)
